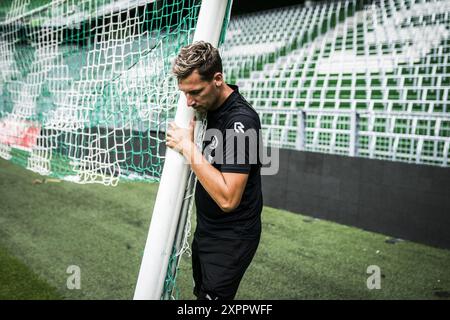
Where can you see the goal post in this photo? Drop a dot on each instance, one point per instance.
(172, 187)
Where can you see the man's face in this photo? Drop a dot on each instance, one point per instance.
(201, 95)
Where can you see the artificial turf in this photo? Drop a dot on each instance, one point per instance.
(47, 226)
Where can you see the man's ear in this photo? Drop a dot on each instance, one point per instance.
(218, 79)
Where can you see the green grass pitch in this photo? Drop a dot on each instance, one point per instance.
(47, 226)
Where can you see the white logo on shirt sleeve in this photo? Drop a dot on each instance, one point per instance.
(239, 127)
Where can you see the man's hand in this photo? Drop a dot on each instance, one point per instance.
(180, 139)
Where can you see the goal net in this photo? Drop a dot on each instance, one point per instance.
(85, 88)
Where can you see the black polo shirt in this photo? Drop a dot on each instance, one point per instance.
(231, 144)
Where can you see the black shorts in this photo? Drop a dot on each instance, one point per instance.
(218, 265)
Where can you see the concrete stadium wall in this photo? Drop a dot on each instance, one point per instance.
(401, 200)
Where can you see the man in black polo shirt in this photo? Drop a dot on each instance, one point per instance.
(228, 196)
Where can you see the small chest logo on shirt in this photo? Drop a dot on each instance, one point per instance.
(211, 146)
(239, 127)
(214, 143)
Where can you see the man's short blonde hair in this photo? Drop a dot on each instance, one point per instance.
(200, 56)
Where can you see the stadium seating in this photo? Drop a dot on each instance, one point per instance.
(339, 77)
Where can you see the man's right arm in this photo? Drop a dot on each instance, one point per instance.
(225, 188)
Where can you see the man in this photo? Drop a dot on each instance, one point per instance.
(228, 196)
